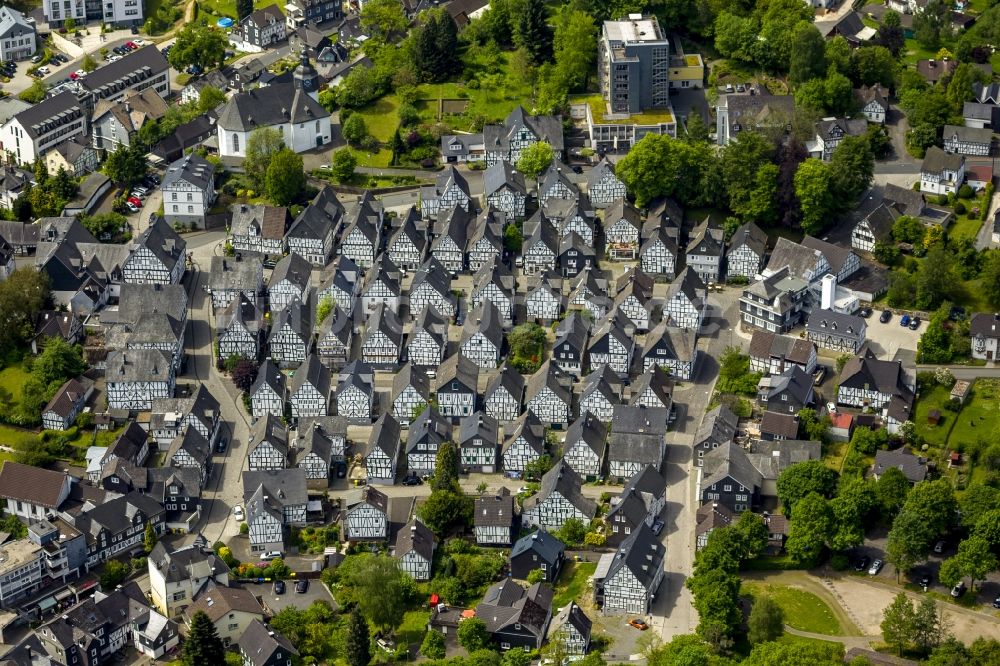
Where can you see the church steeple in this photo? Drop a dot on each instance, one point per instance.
(306, 77)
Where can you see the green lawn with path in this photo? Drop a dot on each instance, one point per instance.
(803, 610)
(572, 583)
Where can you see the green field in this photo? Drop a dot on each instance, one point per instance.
(573, 581)
(11, 379)
(81, 440)
(217, 9)
(964, 227)
(803, 610)
(979, 418)
(413, 627)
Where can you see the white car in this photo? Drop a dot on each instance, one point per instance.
(139, 42)
(131, 207)
(81, 73)
(43, 70)
(238, 513)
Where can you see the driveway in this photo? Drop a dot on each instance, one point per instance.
(275, 603)
(890, 338)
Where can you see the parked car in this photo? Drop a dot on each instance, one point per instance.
(904, 320)
(865, 312)
(657, 527)
(996, 602)
(43, 70)
(925, 581)
(81, 73)
(638, 624)
(131, 46)
(279, 587)
(939, 547)
(141, 190)
(135, 202)
(132, 208)
(915, 323)
(271, 555)
(885, 316)
(875, 568)
(302, 586)
(958, 590)
(819, 375)
(36, 58)
(222, 444)
(577, 168)
(862, 563)
(412, 481)
(238, 513)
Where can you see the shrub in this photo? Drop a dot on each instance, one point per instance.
(965, 192)
(960, 207)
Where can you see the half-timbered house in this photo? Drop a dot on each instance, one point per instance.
(384, 451)
(457, 387)
(428, 339)
(495, 282)
(158, 256)
(672, 348)
(640, 502)
(547, 395)
(190, 449)
(505, 190)
(291, 334)
(637, 439)
(267, 395)
(571, 628)
(504, 394)
(137, 377)
(407, 244)
(838, 331)
(485, 238)
(382, 342)
(415, 550)
(611, 345)
(361, 239)
(309, 392)
(718, 426)
(427, 432)
(603, 186)
(730, 479)
(705, 251)
(634, 574)
(747, 249)
(658, 252)
(571, 344)
(451, 238)
(343, 284)
(870, 382)
(772, 354)
(230, 277)
(586, 446)
(575, 255)
(60, 412)
(482, 336)
(589, 291)
(355, 392)
(449, 189)
(289, 280)
(516, 618)
(431, 286)
(540, 246)
(686, 300)
(319, 443)
(478, 443)
(573, 215)
(558, 500)
(556, 184)
(524, 443)
(519, 130)
(543, 303)
(366, 515)
(311, 234)
(495, 519)
(335, 338)
(653, 388)
(282, 491)
(788, 392)
(622, 228)
(258, 229)
(267, 446)
(200, 410)
(240, 327)
(600, 392)
(411, 392)
(381, 285)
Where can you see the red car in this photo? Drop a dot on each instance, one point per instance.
(73, 76)
(131, 45)
(135, 202)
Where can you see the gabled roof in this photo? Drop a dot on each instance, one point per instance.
(259, 644)
(574, 616)
(913, 468)
(779, 424)
(283, 487)
(218, 601)
(165, 243)
(712, 515)
(546, 128)
(229, 274)
(453, 224)
(192, 169)
(385, 436)
(478, 425)
(589, 430)
(508, 603)
(601, 170)
(936, 161)
(732, 461)
(272, 105)
(642, 554)
(314, 373)
(297, 315)
(322, 216)
(541, 542)
(509, 379)
(622, 209)
(407, 376)
(69, 395)
(603, 380)
(836, 323)
(658, 381)
(484, 320)
(793, 381)
(798, 258)
(429, 427)
(495, 510)
(429, 320)
(555, 174)
(688, 283)
(294, 269)
(31, 484)
(572, 331)
(563, 479)
(501, 174)
(270, 375)
(637, 434)
(457, 366)
(680, 343)
(835, 255)
(193, 443)
(415, 536)
(885, 376)
(751, 236)
(271, 221)
(526, 427)
(548, 375)
(717, 426)
(271, 429)
(985, 324)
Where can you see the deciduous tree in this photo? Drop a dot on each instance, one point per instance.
(813, 188)
(535, 159)
(811, 529)
(343, 165)
(22, 296)
(808, 54)
(262, 144)
(433, 646)
(198, 44)
(359, 642)
(766, 621)
(975, 559)
(126, 165)
(473, 635)
(799, 480)
(897, 622)
(285, 180)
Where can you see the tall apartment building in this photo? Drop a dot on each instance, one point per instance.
(634, 65)
(120, 13)
(32, 132)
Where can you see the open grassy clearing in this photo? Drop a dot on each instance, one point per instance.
(573, 582)
(803, 610)
(978, 419)
(11, 379)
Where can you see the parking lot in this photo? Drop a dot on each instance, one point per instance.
(275, 603)
(888, 339)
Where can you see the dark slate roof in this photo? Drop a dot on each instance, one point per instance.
(548, 375)
(436, 275)
(530, 429)
(658, 380)
(562, 478)
(555, 173)
(749, 235)
(572, 331)
(835, 255)
(229, 274)
(60, 108)
(831, 321)
(428, 428)
(604, 380)
(429, 320)
(193, 443)
(509, 379)
(313, 372)
(269, 428)
(642, 554)
(486, 320)
(885, 376)
(679, 342)
(457, 366)
(794, 380)
(936, 161)
(260, 643)
(385, 436)
(322, 216)
(417, 537)
(407, 376)
(293, 268)
(193, 169)
(501, 173)
(271, 105)
(546, 128)
(913, 467)
(147, 58)
(689, 283)
(730, 460)
(270, 375)
(985, 324)
(284, 487)
(165, 243)
(31, 484)
(508, 603)
(547, 546)
(454, 223)
(637, 434)
(798, 258)
(712, 515)
(573, 615)
(765, 344)
(298, 316)
(591, 431)
(780, 424)
(494, 510)
(480, 425)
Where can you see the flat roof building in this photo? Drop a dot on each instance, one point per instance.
(634, 65)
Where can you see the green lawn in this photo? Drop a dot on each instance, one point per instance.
(11, 379)
(833, 456)
(217, 9)
(935, 398)
(414, 626)
(914, 52)
(965, 227)
(979, 418)
(803, 610)
(27, 439)
(573, 581)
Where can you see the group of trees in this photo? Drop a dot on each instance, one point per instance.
(448, 507)
(715, 581)
(760, 180)
(907, 628)
(273, 168)
(47, 196)
(527, 347)
(198, 44)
